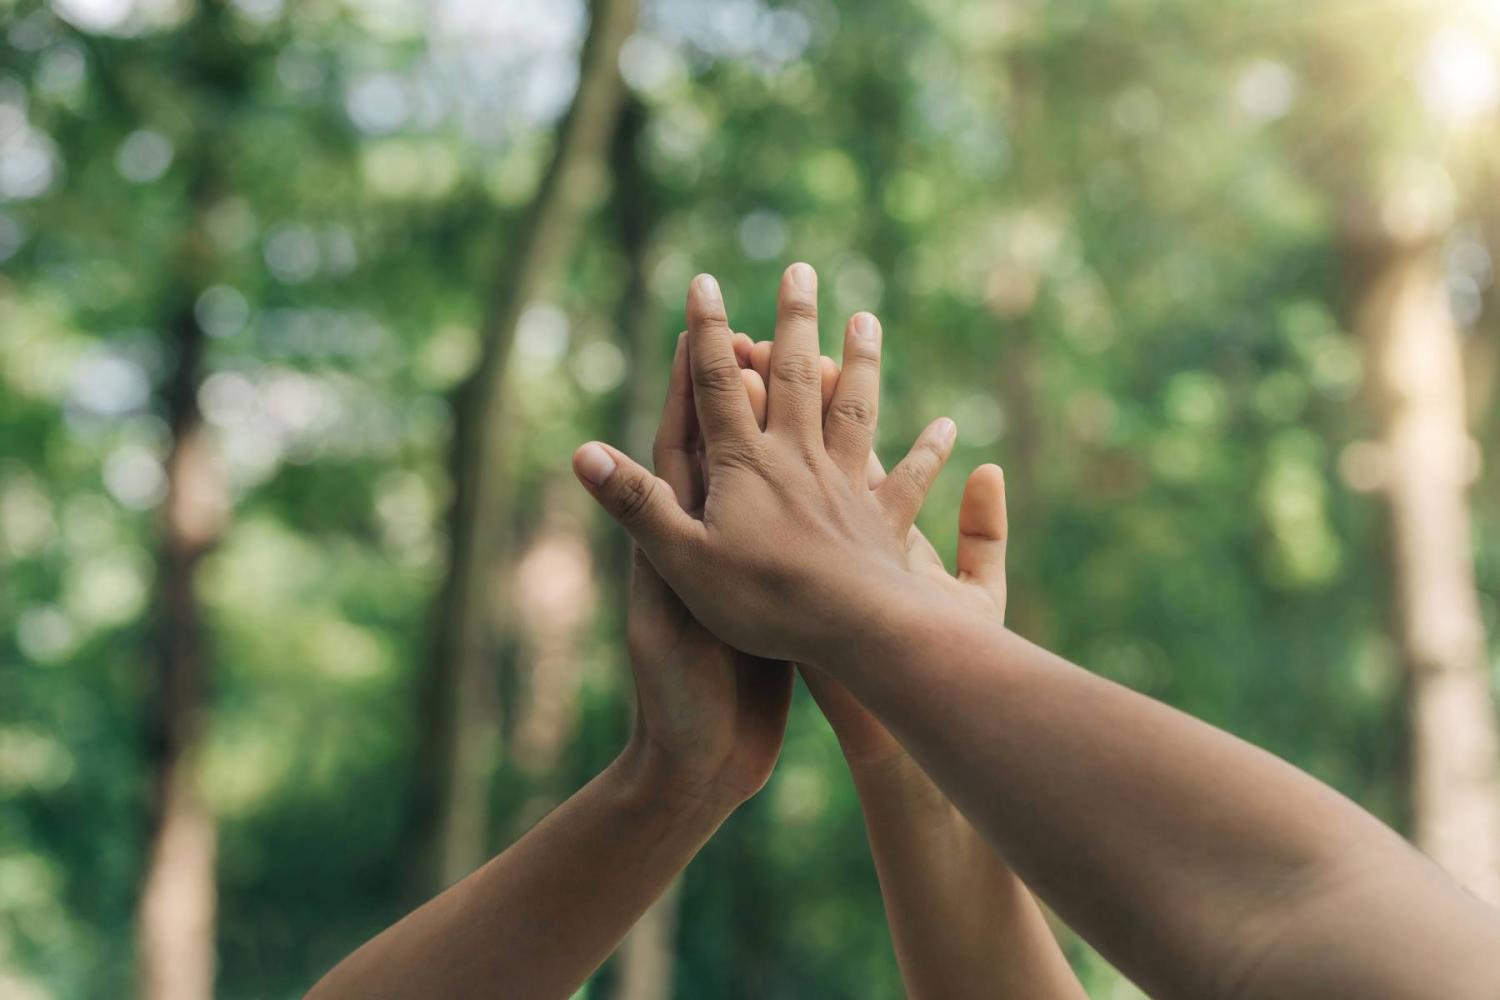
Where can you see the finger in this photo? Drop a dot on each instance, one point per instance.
(724, 417)
(756, 390)
(760, 359)
(643, 504)
(874, 471)
(982, 531)
(674, 454)
(906, 487)
(795, 384)
(850, 426)
(742, 344)
(829, 370)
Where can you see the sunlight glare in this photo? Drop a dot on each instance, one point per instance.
(1458, 78)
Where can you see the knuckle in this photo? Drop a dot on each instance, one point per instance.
(800, 311)
(852, 410)
(719, 374)
(634, 497)
(710, 317)
(798, 370)
(743, 456)
(928, 453)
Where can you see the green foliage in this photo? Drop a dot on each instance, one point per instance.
(1099, 234)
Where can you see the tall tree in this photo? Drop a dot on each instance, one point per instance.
(176, 919)
(1403, 316)
(459, 752)
(647, 957)
(177, 902)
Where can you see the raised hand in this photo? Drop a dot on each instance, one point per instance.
(793, 545)
(712, 716)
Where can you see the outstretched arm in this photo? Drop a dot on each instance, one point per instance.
(1199, 865)
(535, 922)
(962, 923)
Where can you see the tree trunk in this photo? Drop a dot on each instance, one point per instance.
(175, 942)
(459, 754)
(647, 956)
(1403, 317)
(175, 916)
(646, 959)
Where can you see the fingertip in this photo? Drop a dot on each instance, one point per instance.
(945, 433)
(991, 472)
(863, 331)
(706, 287)
(593, 464)
(802, 277)
(705, 300)
(982, 510)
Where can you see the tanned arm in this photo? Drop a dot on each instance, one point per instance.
(1198, 864)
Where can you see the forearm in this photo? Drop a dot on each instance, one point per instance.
(535, 922)
(1189, 858)
(962, 923)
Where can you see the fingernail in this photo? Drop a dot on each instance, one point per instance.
(594, 464)
(804, 278)
(867, 326)
(709, 289)
(947, 430)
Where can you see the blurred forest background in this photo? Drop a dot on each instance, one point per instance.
(305, 305)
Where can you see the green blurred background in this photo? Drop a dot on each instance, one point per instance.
(305, 305)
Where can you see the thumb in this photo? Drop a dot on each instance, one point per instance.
(644, 504)
(982, 532)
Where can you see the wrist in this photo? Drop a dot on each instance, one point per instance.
(896, 614)
(652, 776)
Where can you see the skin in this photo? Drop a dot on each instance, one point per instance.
(1199, 865)
(544, 914)
(962, 923)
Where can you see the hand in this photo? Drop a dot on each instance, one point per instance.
(982, 531)
(711, 717)
(793, 547)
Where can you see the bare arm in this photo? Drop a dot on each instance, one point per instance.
(535, 922)
(963, 924)
(1199, 865)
